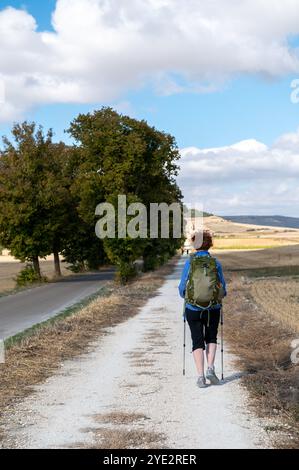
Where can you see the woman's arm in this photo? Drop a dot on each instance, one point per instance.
(184, 278)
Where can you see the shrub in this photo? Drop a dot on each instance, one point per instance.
(151, 262)
(77, 267)
(125, 272)
(28, 276)
(162, 259)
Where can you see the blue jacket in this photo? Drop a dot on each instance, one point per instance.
(185, 274)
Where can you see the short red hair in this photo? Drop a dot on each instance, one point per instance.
(207, 240)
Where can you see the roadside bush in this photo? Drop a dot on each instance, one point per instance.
(77, 267)
(125, 272)
(162, 259)
(151, 262)
(28, 276)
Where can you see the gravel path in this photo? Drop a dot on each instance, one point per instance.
(137, 368)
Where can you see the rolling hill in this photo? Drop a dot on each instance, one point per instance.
(267, 220)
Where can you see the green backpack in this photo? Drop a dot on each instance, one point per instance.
(203, 286)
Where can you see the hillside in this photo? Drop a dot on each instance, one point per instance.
(265, 220)
(235, 235)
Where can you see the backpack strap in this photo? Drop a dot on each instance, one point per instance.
(192, 255)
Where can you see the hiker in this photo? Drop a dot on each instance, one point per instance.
(203, 288)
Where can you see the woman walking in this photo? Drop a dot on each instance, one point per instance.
(203, 287)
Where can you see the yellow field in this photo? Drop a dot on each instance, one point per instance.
(242, 243)
(235, 236)
(279, 298)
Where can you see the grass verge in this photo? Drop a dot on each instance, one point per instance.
(263, 347)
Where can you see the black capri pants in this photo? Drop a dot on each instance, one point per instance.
(203, 326)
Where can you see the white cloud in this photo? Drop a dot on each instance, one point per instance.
(247, 177)
(288, 142)
(101, 48)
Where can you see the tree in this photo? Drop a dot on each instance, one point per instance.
(35, 202)
(121, 155)
(21, 180)
(124, 251)
(128, 155)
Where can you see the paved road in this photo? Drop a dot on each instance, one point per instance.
(24, 309)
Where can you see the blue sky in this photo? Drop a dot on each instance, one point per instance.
(244, 104)
(246, 108)
(41, 10)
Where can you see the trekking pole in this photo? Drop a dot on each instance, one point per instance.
(221, 320)
(184, 343)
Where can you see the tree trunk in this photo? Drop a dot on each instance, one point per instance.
(36, 267)
(57, 264)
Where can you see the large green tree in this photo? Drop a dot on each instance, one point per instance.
(121, 155)
(35, 198)
(128, 155)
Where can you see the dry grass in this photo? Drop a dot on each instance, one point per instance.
(123, 430)
(38, 356)
(126, 439)
(120, 417)
(144, 372)
(143, 363)
(263, 348)
(280, 299)
(134, 354)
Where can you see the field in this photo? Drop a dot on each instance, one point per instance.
(235, 236)
(253, 243)
(272, 279)
(271, 259)
(279, 298)
(9, 268)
